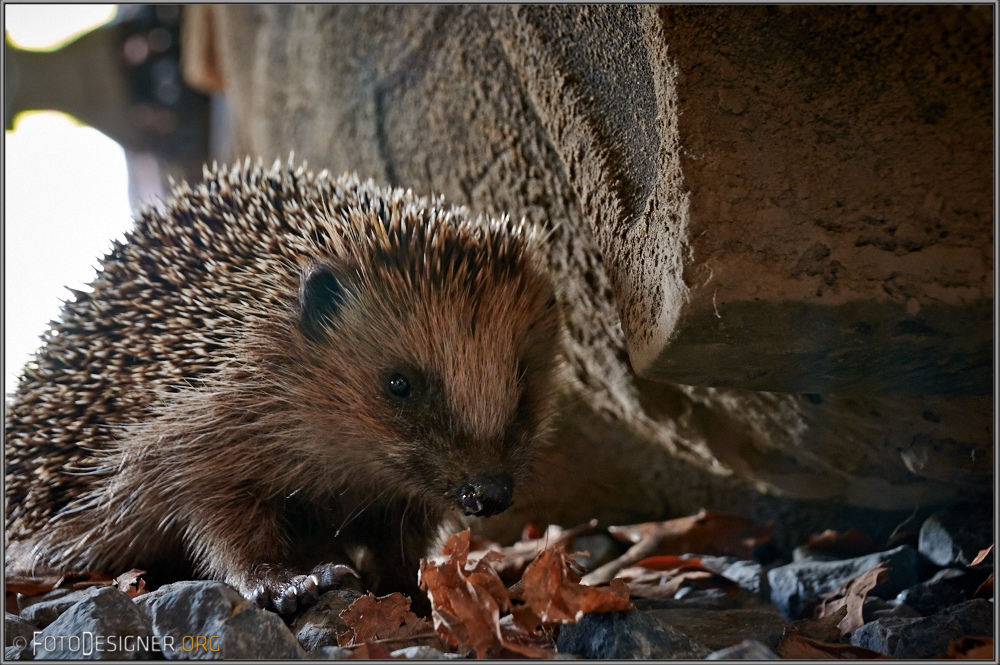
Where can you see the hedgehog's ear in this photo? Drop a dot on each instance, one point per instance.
(321, 296)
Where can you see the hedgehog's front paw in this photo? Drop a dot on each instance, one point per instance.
(288, 593)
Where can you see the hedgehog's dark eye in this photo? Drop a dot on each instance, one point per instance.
(398, 385)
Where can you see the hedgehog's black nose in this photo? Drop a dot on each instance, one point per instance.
(486, 495)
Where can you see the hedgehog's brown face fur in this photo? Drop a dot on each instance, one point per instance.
(430, 361)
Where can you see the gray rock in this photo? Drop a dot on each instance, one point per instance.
(706, 599)
(975, 616)
(321, 623)
(954, 537)
(746, 650)
(330, 653)
(621, 635)
(46, 608)
(716, 564)
(722, 628)
(105, 626)
(144, 601)
(15, 626)
(184, 611)
(935, 594)
(255, 633)
(27, 601)
(601, 548)
(878, 608)
(803, 553)
(926, 637)
(423, 653)
(232, 627)
(18, 653)
(795, 585)
(749, 575)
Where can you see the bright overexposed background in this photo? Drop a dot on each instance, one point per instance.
(65, 194)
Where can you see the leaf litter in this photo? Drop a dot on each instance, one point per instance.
(509, 602)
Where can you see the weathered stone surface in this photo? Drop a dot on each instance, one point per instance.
(600, 547)
(621, 635)
(231, 625)
(908, 638)
(955, 536)
(146, 600)
(45, 609)
(15, 626)
(321, 623)
(18, 653)
(722, 628)
(795, 585)
(423, 653)
(749, 575)
(875, 608)
(255, 634)
(974, 616)
(109, 614)
(186, 609)
(933, 595)
(827, 254)
(746, 650)
(26, 601)
(329, 653)
(803, 553)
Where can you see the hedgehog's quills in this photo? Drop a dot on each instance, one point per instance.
(276, 373)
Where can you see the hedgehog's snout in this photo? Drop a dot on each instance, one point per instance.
(486, 495)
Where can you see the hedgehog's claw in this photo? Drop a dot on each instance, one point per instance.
(301, 591)
(289, 600)
(260, 596)
(331, 575)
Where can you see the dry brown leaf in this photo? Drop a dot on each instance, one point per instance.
(372, 651)
(852, 596)
(720, 534)
(553, 592)
(467, 599)
(388, 618)
(664, 576)
(33, 586)
(851, 543)
(985, 589)
(971, 648)
(668, 587)
(981, 556)
(674, 563)
(800, 647)
(533, 542)
(131, 582)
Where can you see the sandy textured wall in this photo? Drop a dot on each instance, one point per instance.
(787, 210)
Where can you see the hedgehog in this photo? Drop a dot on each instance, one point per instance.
(281, 378)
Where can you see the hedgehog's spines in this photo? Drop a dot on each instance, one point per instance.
(195, 315)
